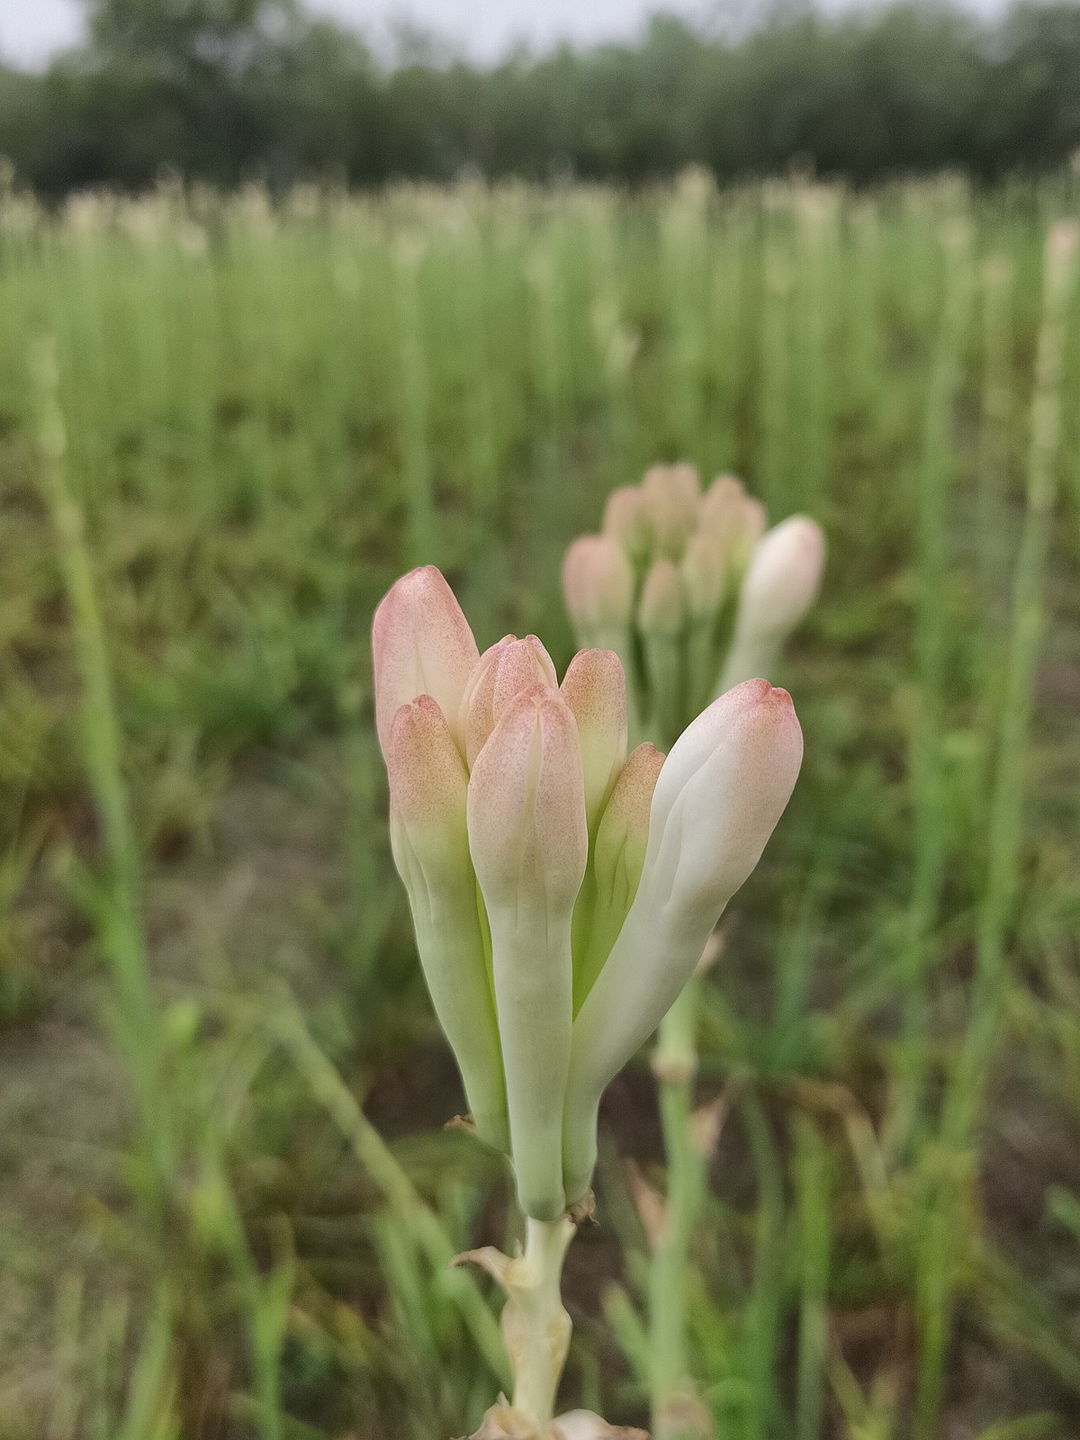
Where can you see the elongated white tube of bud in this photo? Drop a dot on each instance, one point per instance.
(717, 800)
(529, 842)
(779, 587)
(428, 786)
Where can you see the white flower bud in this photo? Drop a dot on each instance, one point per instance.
(779, 587)
(598, 585)
(671, 496)
(529, 842)
(594, 687)
(428, 836)
(717, 800)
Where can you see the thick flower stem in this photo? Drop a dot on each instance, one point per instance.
(535, 1322)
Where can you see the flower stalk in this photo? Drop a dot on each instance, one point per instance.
(562, 891)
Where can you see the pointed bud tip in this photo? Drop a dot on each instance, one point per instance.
(527, 798)
(625, 519)
(421, 643)
(424, 766)
(595, 690)
(502, 672)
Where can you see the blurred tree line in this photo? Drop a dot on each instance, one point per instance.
(227, 90)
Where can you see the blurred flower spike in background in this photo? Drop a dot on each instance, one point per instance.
(690, 590)
(562, 890)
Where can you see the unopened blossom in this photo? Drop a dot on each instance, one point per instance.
(706, 594)
(671, 495)
(598, 583)
(558, 885)
(594, 688)
(421, 644)
(428, 833)
(717, 799)
(502, 672)
(779, 587)
(529, 842)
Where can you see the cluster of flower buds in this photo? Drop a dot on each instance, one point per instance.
(689, 589)
(562, 890)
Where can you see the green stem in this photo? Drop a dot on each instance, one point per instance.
(675, 1066)
(119, 921)
(933, 484)
(535, 1322)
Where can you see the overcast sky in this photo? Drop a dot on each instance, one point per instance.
(32, 30)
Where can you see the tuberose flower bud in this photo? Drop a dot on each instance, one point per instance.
(503, 671)
(618, 857)
(720, 793)
(720, 507)
(717, 800)
(671, 495)
(598, 585)
(778, 589)
(428, 787)
(594, 688)
(421, 645)
(529, 842)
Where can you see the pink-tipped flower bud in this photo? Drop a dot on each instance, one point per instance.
(428, 834)
(720, 507)
(720, 793)
(529, 842)
(722, 789)
(421, 645)
(671, 495)
(595, 690)
(779, 587)
(598, 585)
(503, 671)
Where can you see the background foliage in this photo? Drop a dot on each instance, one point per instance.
(229, 90)
(226, 425)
